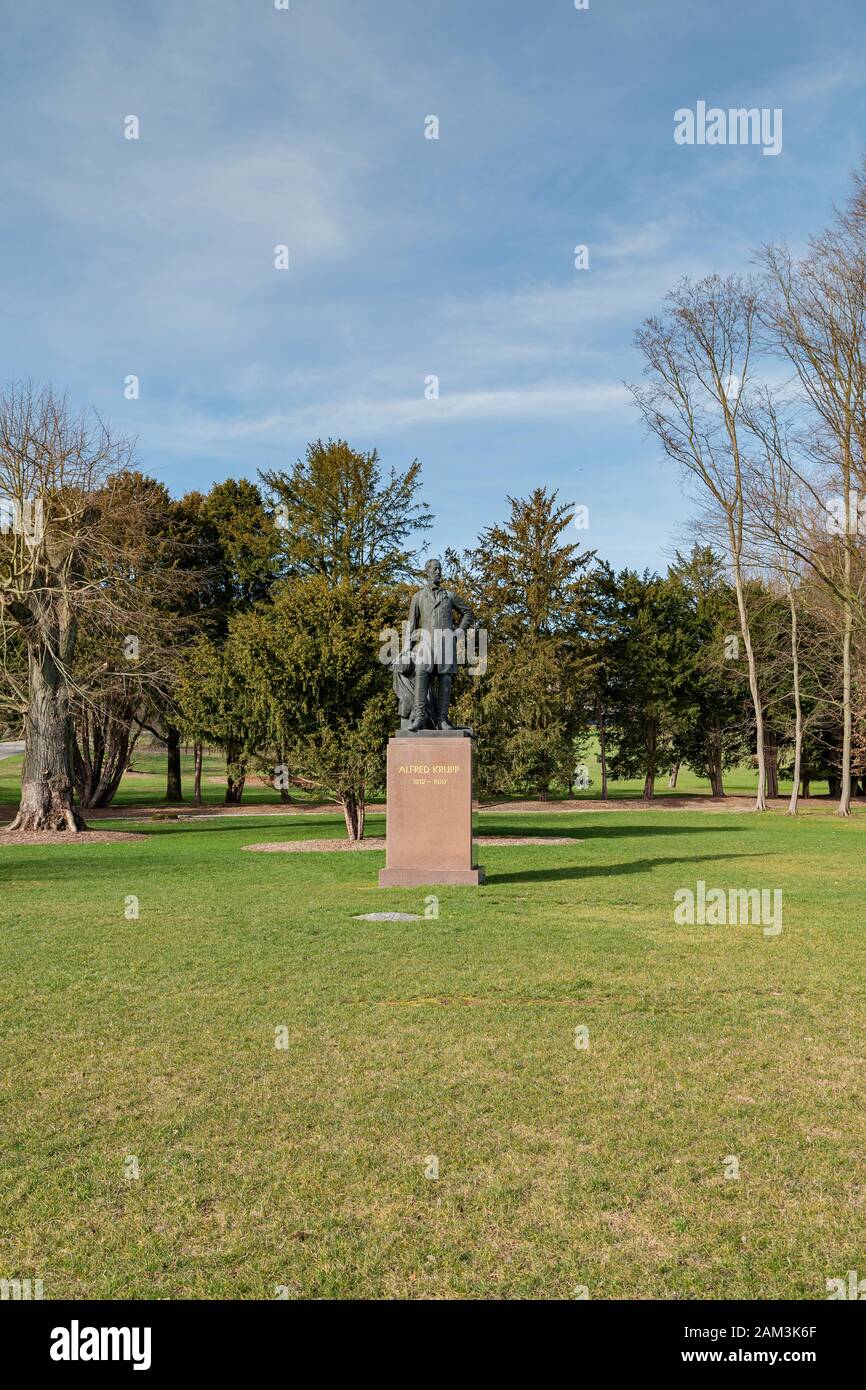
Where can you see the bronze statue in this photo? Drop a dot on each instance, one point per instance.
(432, 652)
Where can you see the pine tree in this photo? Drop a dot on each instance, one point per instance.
(528, 584)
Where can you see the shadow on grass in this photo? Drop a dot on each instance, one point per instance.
(240, 825)
(288, 828)
(603, 832)
(585, 871)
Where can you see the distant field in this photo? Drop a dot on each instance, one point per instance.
(739, 781)
(146, 785)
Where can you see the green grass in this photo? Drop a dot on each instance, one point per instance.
(454, 1037)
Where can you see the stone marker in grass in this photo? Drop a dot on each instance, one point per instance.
(385, 917)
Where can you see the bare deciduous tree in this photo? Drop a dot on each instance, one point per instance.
(68, 563)
(697, 368)
(815, 309)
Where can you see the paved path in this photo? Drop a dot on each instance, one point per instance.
(8, 750)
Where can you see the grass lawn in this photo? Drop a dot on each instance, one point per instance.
(305, 1168)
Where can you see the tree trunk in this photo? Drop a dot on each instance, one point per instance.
(602, 753)
(649, 786)
(807, 784)
(234, 789)
(354, 814)
(714, 762)
(285, 794)
(196, 788)
(236, 775)
(102, 744)
(672, 780)
(844, 808)
(173, 788)
(46, 783)
(798, 709)
(88, 752)
(771, 761)
(761, 794)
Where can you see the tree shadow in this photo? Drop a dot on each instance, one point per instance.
(601, 832)
(585, 871)
(229, 824)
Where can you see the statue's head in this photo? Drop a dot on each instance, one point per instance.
(433, 571)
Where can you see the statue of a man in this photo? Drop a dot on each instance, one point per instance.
(431, 623)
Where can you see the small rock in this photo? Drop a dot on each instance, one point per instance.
(385, 917)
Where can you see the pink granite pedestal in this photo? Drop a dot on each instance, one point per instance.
(429, 830)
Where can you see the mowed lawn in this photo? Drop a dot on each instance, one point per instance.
(305, 1169)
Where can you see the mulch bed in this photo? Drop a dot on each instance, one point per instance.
(378, 842)
(310, 846)
(66, 837)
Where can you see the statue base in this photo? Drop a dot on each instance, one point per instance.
(431, 878)
(429, 828)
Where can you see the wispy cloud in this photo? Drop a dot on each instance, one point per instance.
(202, 433)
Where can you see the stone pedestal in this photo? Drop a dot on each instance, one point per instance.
(430, 811)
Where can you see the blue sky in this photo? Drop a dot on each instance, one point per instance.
(408, 257)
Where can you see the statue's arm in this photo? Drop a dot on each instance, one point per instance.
(467, 617)
(403, 662)
(414, 615)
